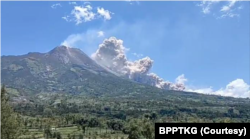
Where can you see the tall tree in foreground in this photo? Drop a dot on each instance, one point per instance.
(10, 122)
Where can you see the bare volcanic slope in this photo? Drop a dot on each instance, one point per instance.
(62, 69)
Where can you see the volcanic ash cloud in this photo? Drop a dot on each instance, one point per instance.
(111, 54)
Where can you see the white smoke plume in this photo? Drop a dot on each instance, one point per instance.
(111, 54)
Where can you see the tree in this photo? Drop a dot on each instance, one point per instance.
(148, 130)
(141, 129)
(47, 112)
(47, 132)
(33, 137)
(69, 136)
(134, 130)
(153, 116)
(58, 135)
(80, 136)
(11, 123)
(54, 135)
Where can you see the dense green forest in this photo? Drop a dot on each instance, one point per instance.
(132, 116)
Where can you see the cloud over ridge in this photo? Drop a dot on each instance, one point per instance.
(236, 88)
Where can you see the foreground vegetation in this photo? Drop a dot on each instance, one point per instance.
(106, 116)
(10, 122)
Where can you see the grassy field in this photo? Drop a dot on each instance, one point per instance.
(74, 132)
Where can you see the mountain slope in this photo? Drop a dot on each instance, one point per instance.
(62, 69)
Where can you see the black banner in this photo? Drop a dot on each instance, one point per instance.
(163, 130)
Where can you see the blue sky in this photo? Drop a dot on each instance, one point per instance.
(208, 42)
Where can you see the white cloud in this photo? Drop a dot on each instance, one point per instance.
(105, 13)
(85, 13)
(206, 6)
(137, 55)
(226, 10)
(231, 3)
(54, 6)
(240, 7)
(73, 3)
(86, 3)
(128, 0)
(237, 88)
(100, 33)
(229, 14)
(66, 18)
(132, 1)
(181, 79)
